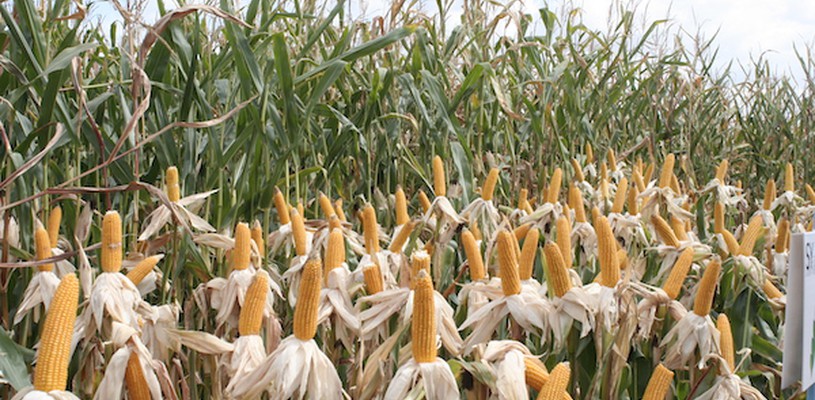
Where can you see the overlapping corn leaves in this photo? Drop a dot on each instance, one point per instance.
(614, 287)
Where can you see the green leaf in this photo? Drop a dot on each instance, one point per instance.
(12, 362)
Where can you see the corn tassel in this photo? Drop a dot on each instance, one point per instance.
(401, 206)
(751, 234)
(135, 383)
(423, 327)
(508, 267)
(726, 341)
(325, 205)
(473, 253)
(402, 238)
(721, 170)
(554, 186)
(43, 245)
(251, 317)
(619, 197)
(53, 225)
(142, 269)
(335, 251)
(707, 289)
(557, 384)
(527, 261)
(308, 301)
(789, 178)
(578, 171)
(372, 276)
(783, 235)
(664, 231)
(111, 242)
(557, 273)
(257, 237)
(282, 207)
(488, 190)
(769, 194)
(370, 229)
(607, 246)
(173, 187)
(659, 384)
(242, 252)
(667, 171)
(679, 271)
(54, 353)
(564, 240)
(439, 178)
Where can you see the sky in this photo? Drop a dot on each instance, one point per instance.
(744, 29)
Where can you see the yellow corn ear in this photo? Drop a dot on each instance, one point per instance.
(667, 171)
(527, 261)
(557, 384)
(535, 373)
(649, 172)
(111, 242)
(423, 327)
(564, 240)
(589, 153)
(251, 316)
(282, 207)
(135, 383)
(308, 301)
(659, 384)
(142, 269)
(439, 178)
(612, 160)
(334, 223)
(473, 253)
(679, 271)
(53, 225)
(523, 201)
(769, 194)
(401, 206)
(603, 172)
(578, 171)
(325, 205)
(718, 217)
(595, 213)
(732, 243)
(257, 237)
(678, 227)
(607, 247)
(521, 231)
(173, 187)
(370, 229)
(726, 341)
(488, 190)
(298, 230)
(554, 186)
(771, 291)
(619, 197)
(789, 178)
(604, 192)
(420, 261)
(43, 245)
(707, 288)
(508, 266)
(664, 231)
(424, 201)
(810, 193)
(242, 252)
(54, 353)
(622, 259)
(783, 235)
(339, 211)
(751, 234)
(557, 272)
(721, 170)
(576, 203)
(373, 278)
(335, 251)
(638, 180)
(404, 234)
(633, 205)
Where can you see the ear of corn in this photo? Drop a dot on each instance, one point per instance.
(282, 207)
(595, 213)
(751, 234)
(473, 253)
(339, 211)
(564, 240)
(53, 225)
(678, 227)
(619, 197)
(783, 235)
(659, 384)
(622, 259)
(527, 261)
(142, 269)
(372, 276)
(718, 217)
(424, 201)
(769, 194)
(649, 172)
(242, 252)
(721, 170)
(810, 193)
(173, 187)
(675, 185)
(771, 291)
(488, 189)
(521, 231)
(664, 231)
(557, 384)
(308, 301)
(507, 263)
(335, 251)
(334, 223)
(589, 154)
(439, 178)
(402, 238)
(535, 374)
(576, 203)
(578, 171)
(789, 178)
(111, 242)
(523, 201)
(607, 246)
(420, 262)
(707, 288)
(639, 180)
(43, 245)
(667, 171)
(554, 186)
(732, 243)
(54, 353)
(370, 229)
(298, 230)
(325, 205)
(401, 206)
(557, 272)
(633, 206)
(612, 160)
(679, 271)
(603, 172)
(251, 316)
(257, 237)
(135, 383)
(423, 327)
(726, 341)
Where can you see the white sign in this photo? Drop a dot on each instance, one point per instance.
(799, 331)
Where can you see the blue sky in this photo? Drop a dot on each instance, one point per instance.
(746, 28)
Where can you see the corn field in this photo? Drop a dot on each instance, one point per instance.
(281, 201)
